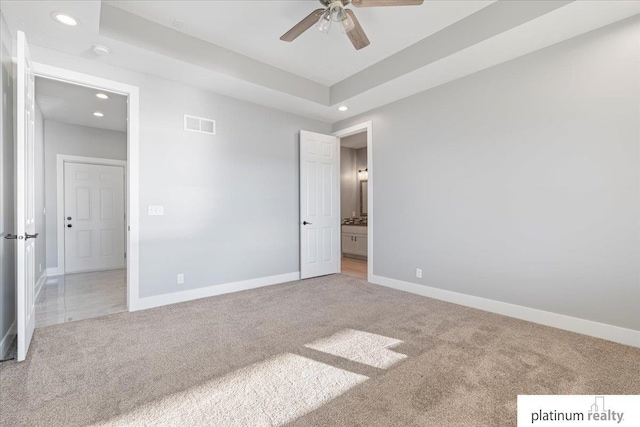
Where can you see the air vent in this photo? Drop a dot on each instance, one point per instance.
(198, 124)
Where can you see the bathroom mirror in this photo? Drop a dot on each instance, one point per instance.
(364, 199)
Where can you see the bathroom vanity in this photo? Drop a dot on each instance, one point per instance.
(354, 240)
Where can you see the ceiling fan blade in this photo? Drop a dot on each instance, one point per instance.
(376, 3)
(357, 35)
(302, 26)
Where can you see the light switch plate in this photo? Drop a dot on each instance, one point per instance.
(156, 210)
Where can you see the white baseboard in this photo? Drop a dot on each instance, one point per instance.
(54, 271)
(209, 291)
(7, 339)
(560, 321)
(40, 283)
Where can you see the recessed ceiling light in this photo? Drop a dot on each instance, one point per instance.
(343, 108)
(65, 19)
(102, 95)
(98, 114)
(98, 49)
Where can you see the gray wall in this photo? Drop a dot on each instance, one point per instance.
(522, 180)
(41, 229)
(230, 200)
(361, 163)
(74, 140)
(7, 213)
(348, 177)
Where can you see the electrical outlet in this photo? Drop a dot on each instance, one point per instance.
(156, 210)
(180, 279)
(419, 273)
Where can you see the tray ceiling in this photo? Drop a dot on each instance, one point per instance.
(233, 47)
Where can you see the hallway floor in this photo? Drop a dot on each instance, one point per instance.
(354, 267)
(81, 296)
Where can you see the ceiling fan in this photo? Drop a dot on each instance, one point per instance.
(336, 11)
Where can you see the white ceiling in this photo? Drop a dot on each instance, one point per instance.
(34, 18)
(219, 51)
(358, 140)
(253, 28)
(69, 103)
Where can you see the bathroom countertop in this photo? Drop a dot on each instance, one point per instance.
(360, 221)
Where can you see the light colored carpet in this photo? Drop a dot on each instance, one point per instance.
(268, 393)
(327, 351)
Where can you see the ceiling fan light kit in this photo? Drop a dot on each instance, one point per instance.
(324, 23)
(336, 11)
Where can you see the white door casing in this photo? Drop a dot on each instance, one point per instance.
(94, 217)
(133, 166)
(25, 198)
(319, 205)
(352, 130)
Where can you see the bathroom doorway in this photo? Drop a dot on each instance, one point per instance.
(354, 202)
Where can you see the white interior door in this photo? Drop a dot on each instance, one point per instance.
(319, 206)
(25, 198)
(94, 232)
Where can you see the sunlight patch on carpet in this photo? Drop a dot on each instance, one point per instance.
(362, 347)
(269, 393)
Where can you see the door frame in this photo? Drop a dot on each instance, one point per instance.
(352, 130)
(61, 159)
(133, 162)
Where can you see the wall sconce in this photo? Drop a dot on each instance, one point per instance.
(363, 174)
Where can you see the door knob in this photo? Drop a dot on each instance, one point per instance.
(306, 223)
(11, 237)
(68, 218)
(69, 225)
(28, 236)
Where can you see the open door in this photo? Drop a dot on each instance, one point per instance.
(319, 206)
(25, 198)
